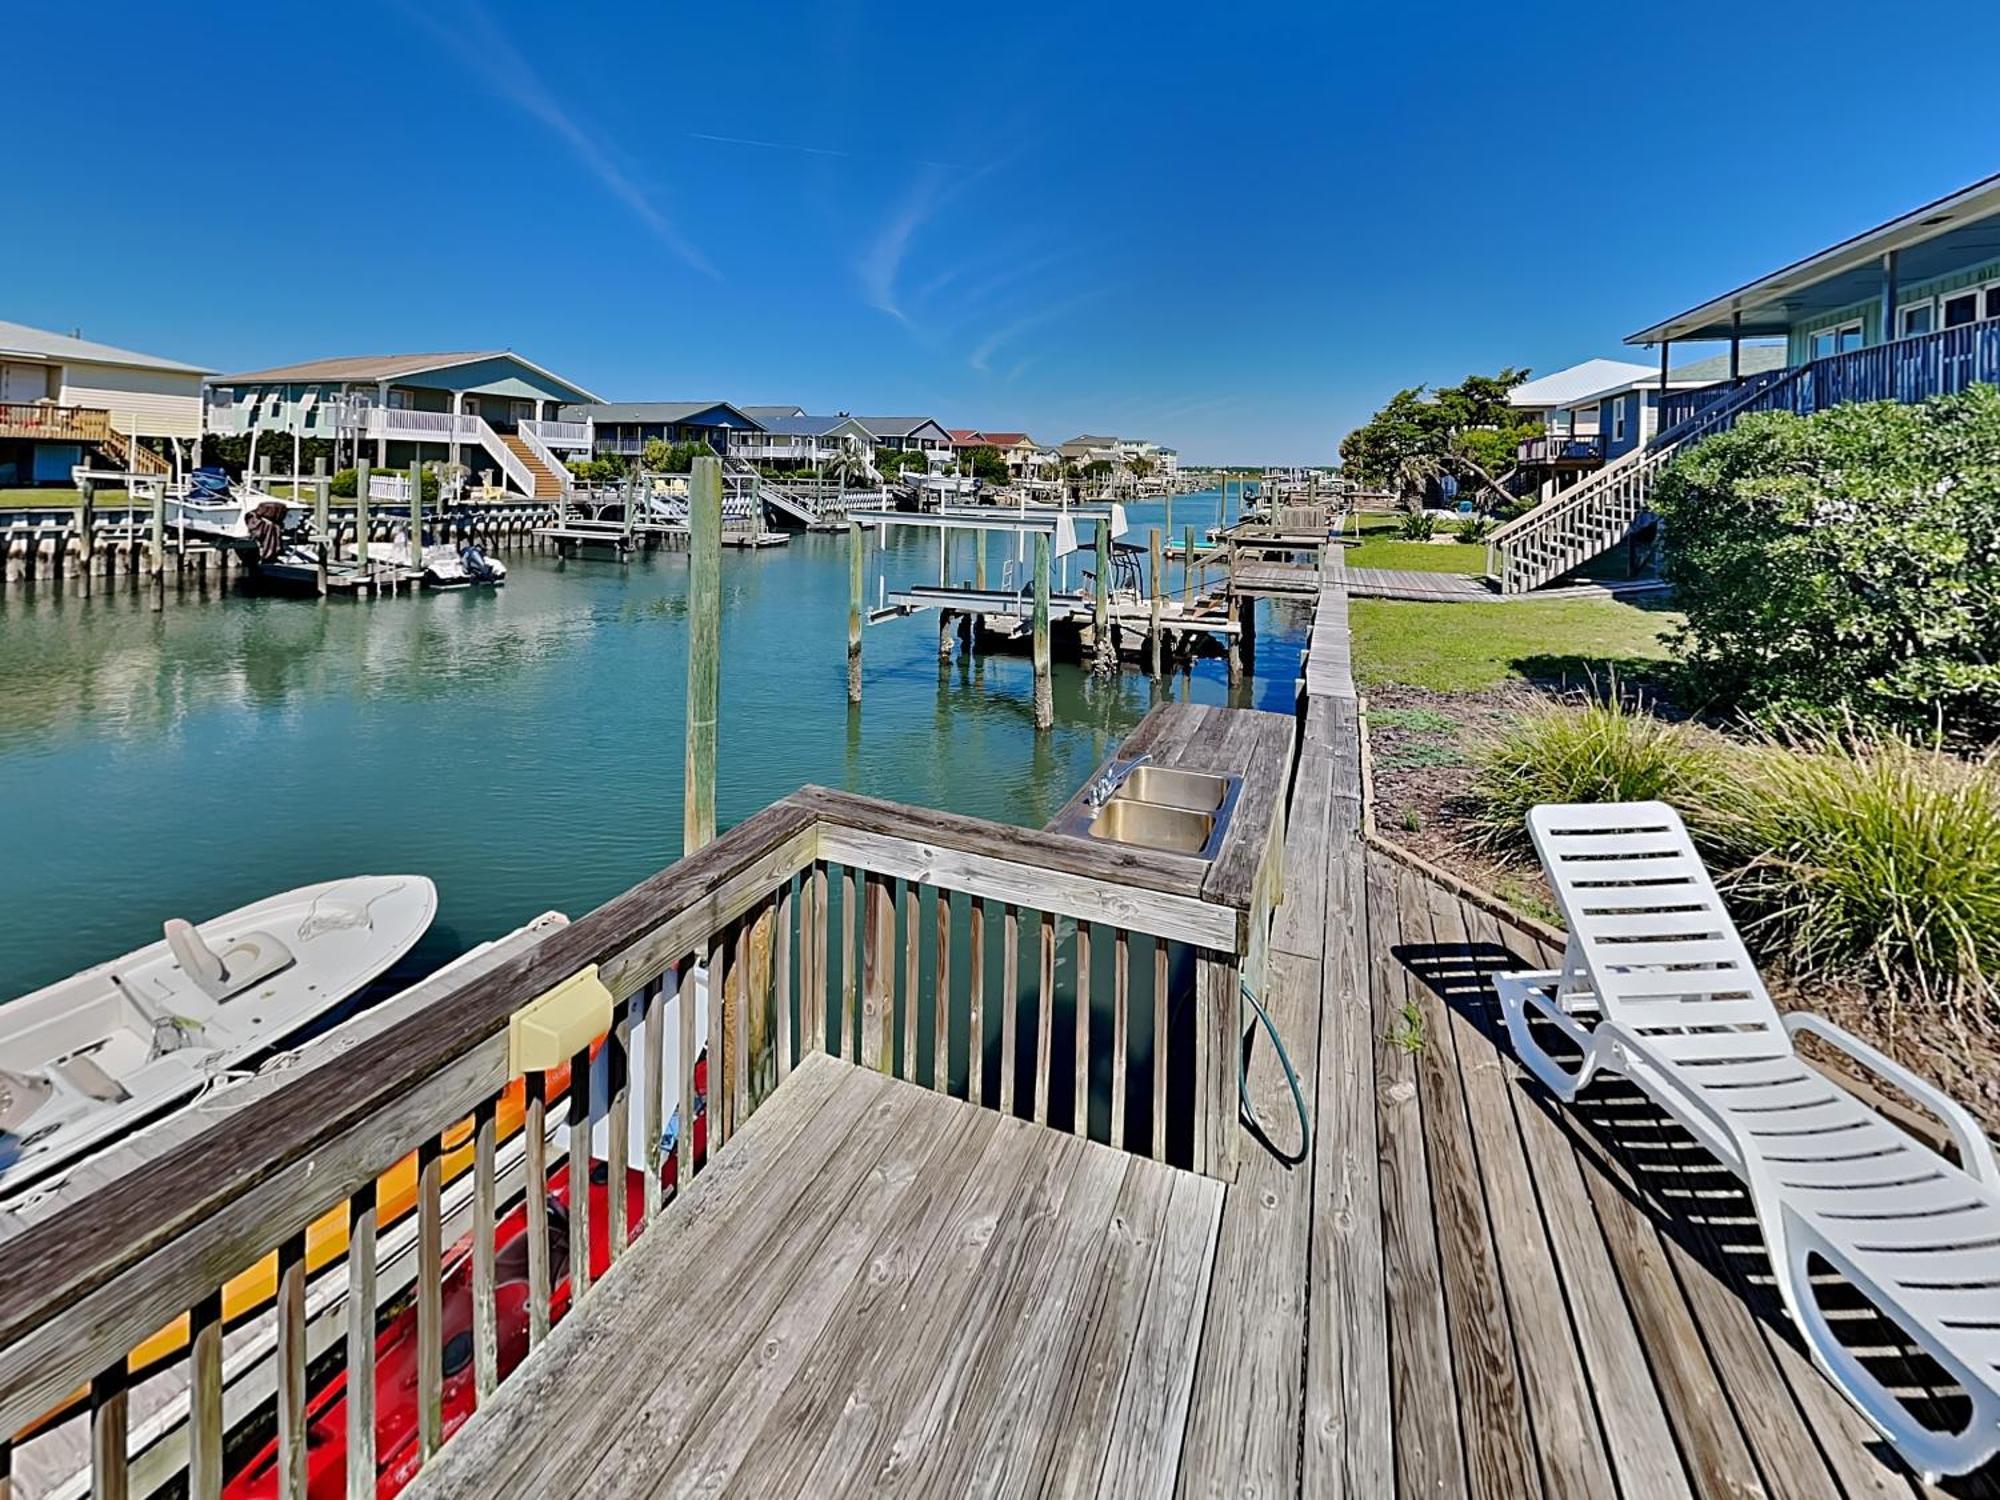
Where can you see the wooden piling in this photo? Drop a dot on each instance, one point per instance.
(1155, 644)
(322, 491)
(1235, 642)
(86, 527)
(1187, 568)
(1045, 708)
(157, 493)
(416, 516)
(1103, 655)
(853, 612)
(704, 647)
(361, 522)
(979, 560)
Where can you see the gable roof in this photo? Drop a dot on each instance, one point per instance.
(1959, 229)
(766, 413)
(387, 367)
(895, 426)
(1006, 439)
(965, 437)
(39, 343)
(1565, 387)
(809, 426)
(1089, 440)
(665, 412)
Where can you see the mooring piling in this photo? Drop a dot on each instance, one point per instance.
(854, 612)
(322, 492)
(1045, 706)
(704, 648)
(416, 483)
(361, 482)
(1154, 577)
(1104, 656)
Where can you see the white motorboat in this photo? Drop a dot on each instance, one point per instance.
(92, 1056)
(445, 566)
(214, 511)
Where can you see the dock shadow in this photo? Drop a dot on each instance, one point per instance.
(1626, 1142)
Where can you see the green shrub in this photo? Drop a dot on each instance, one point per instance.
(1474, 530)
(1872, 858)
(1603, 751)
(1845, 564)
(1417, 526)
(343, 484)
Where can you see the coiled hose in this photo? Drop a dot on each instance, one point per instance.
(1284, 1060)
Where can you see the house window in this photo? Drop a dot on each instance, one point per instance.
(1618, 423)
(1828, 342)
(1993, 302)
(399, 399)
(1917, 321)
(1962, 309)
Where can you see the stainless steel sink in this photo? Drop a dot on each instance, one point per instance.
(1152, 825)
(1194, 791)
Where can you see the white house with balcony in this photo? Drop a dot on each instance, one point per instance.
(65, 401)
(490, 410)
(801, 441)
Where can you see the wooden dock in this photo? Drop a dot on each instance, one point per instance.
(1459, 588)
(1453, 1286)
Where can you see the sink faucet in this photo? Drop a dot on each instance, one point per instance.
(1101, 789)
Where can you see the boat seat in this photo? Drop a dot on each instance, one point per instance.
(82, 1073)
(240, 962)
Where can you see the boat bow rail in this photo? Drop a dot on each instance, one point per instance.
(794, 914)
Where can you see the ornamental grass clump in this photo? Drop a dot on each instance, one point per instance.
(1874, 859)
(1602, 751)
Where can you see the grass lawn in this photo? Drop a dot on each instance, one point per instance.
(1381, 548)
(53, 497)
(1457, 648)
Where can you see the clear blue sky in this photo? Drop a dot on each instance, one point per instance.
(1231, 228)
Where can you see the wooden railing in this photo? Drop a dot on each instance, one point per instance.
(1085, 986)
(1562, 447)
(44, 422)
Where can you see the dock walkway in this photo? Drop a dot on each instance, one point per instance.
(1459, 588)
(1457, 1288)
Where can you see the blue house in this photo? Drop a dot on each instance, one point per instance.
(625, 427)
(1903, 311)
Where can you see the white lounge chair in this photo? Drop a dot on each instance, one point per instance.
(1656, 986)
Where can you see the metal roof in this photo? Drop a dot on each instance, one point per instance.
(766, 413)
(808, 426)
(1757, 358)
(1567, 386)
(38, 343)
(387, 367)
(1955, 231)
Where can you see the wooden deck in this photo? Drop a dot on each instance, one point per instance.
(1457, 1287)
(876, 1287)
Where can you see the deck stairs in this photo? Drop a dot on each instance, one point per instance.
(548, 485)
(1590, 518)
(133, 458)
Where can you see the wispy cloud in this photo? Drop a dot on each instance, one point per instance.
(982, 356)
(737, 140)
(882, 262)
(477, 40)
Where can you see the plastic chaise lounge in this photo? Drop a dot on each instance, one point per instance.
(1656, 986)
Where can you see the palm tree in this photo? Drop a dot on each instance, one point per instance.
(850, 467)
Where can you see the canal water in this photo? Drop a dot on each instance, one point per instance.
(521, 747)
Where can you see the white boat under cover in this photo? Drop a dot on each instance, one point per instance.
(92, 1056)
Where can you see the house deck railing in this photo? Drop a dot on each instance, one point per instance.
(42, 421)
(1562, 447)
(884, 934)
(1907, 370)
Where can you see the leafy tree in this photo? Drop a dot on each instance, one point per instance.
(1099, 469)
(608, 469)
(1844, 564)
(987, 464)
(892, 461)
(1467, 431)
(1140, 466)
(849, 467)
(662, 457)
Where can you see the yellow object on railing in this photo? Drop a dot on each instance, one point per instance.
(552, 1028)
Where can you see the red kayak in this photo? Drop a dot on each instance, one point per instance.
(397, 1443)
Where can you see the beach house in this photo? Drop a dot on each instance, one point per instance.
(65, 401)
(1904, 311)
(623, 428)
(796, 439)
(910, 435)
(491, 410)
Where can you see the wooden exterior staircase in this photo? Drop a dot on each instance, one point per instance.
(45, 422)
(1591, 517)
(548, 485)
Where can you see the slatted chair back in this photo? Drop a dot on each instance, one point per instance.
(1649, 934)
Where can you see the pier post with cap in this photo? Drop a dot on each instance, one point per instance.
(362, 479)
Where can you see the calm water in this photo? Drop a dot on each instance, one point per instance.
(522, 748)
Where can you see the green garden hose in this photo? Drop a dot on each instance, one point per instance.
(1291, 1074)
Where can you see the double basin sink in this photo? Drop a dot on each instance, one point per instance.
(1159, 807)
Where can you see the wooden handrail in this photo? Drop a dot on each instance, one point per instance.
(97, 1279)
